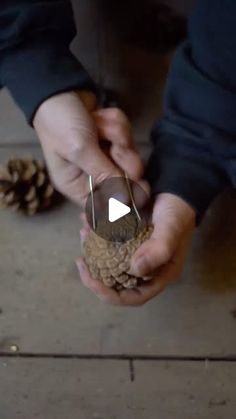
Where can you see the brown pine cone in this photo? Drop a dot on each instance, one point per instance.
(25, 186)
(109, 261)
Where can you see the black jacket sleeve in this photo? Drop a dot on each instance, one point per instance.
(35, 59)
(194, 152)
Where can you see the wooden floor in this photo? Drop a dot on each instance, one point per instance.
(63, 354)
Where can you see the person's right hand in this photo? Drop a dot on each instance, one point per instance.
(69, 129)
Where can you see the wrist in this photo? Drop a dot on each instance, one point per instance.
(176, 207)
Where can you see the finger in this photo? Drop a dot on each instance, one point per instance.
(113, 125)
(83, 150)
(70, 181)
(142, 294)
(128, 160)
(160, 248)
(67, 177)
(113, 114)
(83, 217)
(167, 273)
(149, 290)
(75, 188)
(156, 251)
(145, 186)
(165, 276)
(95, 163)
(151, 254)
(96, 286)
(84, 221)
(84, 232)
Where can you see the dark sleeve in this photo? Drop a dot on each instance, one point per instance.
(194, 153)
(35, 59)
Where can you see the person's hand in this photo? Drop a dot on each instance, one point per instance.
(162, 256)
(70, 130)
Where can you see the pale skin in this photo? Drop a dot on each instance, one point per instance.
(70, 129)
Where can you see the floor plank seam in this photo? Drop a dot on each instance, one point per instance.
(132, 370)
(130, 357)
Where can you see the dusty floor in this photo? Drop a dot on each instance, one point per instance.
(77, 358)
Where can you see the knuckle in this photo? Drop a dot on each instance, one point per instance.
(119, 116)
(116, 113)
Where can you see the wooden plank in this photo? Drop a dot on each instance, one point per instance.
(57, 388)
(184, 389)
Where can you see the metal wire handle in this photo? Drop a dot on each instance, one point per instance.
(132, 197)
(92, 201)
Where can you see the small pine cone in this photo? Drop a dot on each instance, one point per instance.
(25, 186)
(110, 261)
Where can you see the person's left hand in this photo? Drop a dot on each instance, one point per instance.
(162, 256)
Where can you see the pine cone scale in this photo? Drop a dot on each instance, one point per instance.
(25, 186)
(109, 262)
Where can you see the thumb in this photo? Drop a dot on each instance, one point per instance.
(155, 252)
(172, 218)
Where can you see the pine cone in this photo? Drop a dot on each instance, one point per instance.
(25, 186)
(109, 261)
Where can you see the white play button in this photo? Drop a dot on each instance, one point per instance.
(110, 210)
(117, 210)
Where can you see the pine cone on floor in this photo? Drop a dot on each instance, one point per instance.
(109, 261)
(25, 186)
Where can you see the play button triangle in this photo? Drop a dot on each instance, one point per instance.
(117, 210)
